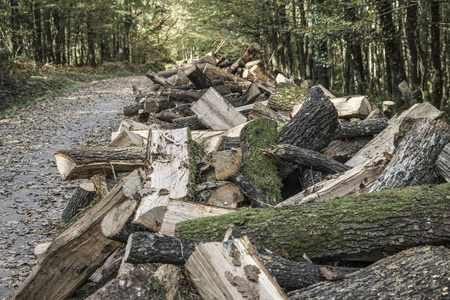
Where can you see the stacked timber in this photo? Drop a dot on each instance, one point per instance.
(226, 183)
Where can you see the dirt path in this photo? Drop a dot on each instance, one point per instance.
(32, 195)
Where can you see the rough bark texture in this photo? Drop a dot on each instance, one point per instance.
(192, 122)
(418, 273)
(418, 145)
(149, 247)
(308, 158)
(407, 93)
(359, 128)
(184, 96)
(443, 163)
(311, 128)
(363, 228)
(343, 150)
(246, 57)
(132, 110)
(198, 78)
(80, 200)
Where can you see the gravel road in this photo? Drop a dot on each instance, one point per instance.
(32, 195)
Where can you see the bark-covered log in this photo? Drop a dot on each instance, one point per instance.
(183, 96)
(418, 273)
(132, 110)
(215, 73)
(407, 94)
(79, 201)
(363, 228)
(251, 52)
(389, 109)
(168, 116)
(343, 150)
(146, 247)
(443, 163)
(238, 86)
(418, 146)
(308, 158)
(311, 128)
(157, 79)
(198, 78)
(286, 96)
(157, 104)
(359, 128)
(192, 122)
(82, 163)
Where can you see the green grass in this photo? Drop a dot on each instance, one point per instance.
(23, 83)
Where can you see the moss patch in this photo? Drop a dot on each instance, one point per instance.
(286, 96)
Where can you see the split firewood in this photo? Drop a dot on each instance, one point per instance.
(192, 122)
(178, 79)
(198, 78)
(258, 177)
(261, 111)
(261, 75)
(353, 107)
(180, 211)
(418, 145)
(337, 229)
(343, 150)
(73, 255)
(157, 79)
(326, 92)
(157, 104)
(216, 112)
(307, 158)
(82, 163)
(443, 163)
(251, 52)
(384, 142)
(146, 247)
(183, 96)
(221, 194)
(282, 79)
(360, 128)
(213, 142)
(353, 182)
(135, 284)
(311, 128)
(231, 270)
(108, 268)
(395, 277)
(176, 285)
(250, 95)
(407, 94)
(246, 109)
(128, 138)
(168, 172)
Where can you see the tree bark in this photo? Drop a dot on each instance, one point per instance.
(198, 78)
(132, 110)
(407, 94)
(443, 163)
(360, 128)
(418, 146)
(79, 201)
(395, 277)
(363, 228)
(82, 163)
(435, 33)
(251, 52)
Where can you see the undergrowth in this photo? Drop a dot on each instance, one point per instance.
(24, 82)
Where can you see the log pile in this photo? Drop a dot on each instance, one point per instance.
(224, 183)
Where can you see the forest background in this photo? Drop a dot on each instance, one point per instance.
(356, 47)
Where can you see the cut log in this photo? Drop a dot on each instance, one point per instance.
(132, 110)
(107, 270)
(260, 74)
(73, 255)
(191, 122)
(443, 163)
(127, 138)
(416, 273)
(82, 163)
(418, 146)
(250, 95)
(353, 107)
(227, 196)
(135, 284)
(351, 183)
(178, 79)
(216, 112)
(311, 128)
(231, 270)
(157, 104)
(146, 247)
(246, 109)
(338, 229)
(326, 92)
(249, 54)
(258, 177)
(389, 109)
(168, 175)
(183, 96)
(198, 78)
(282, 79)
(116, 225)
(307, 158)
(360, 128)
(343, 150)
(261, 111)
(157, 79)
(226, 163)
(214, 73)
(175, 284)
(407, 94)
(227, 143)
(79, 201)
(238, 86)
(168, 116)
(384, 142)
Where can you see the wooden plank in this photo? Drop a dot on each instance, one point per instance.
(216, 112)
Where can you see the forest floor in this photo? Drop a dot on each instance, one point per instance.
(32, 195)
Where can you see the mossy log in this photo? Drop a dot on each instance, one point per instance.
(418, 273)
(258, 177)
(311, 128)
(363, 228)
(286, 96)
(418, 145)
(146, 247)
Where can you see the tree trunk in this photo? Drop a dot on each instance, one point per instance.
(81, 163)
(418, 146)
(412, 38)
(417, 273)
(364, 228)
(38, 55)
(435, 33)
